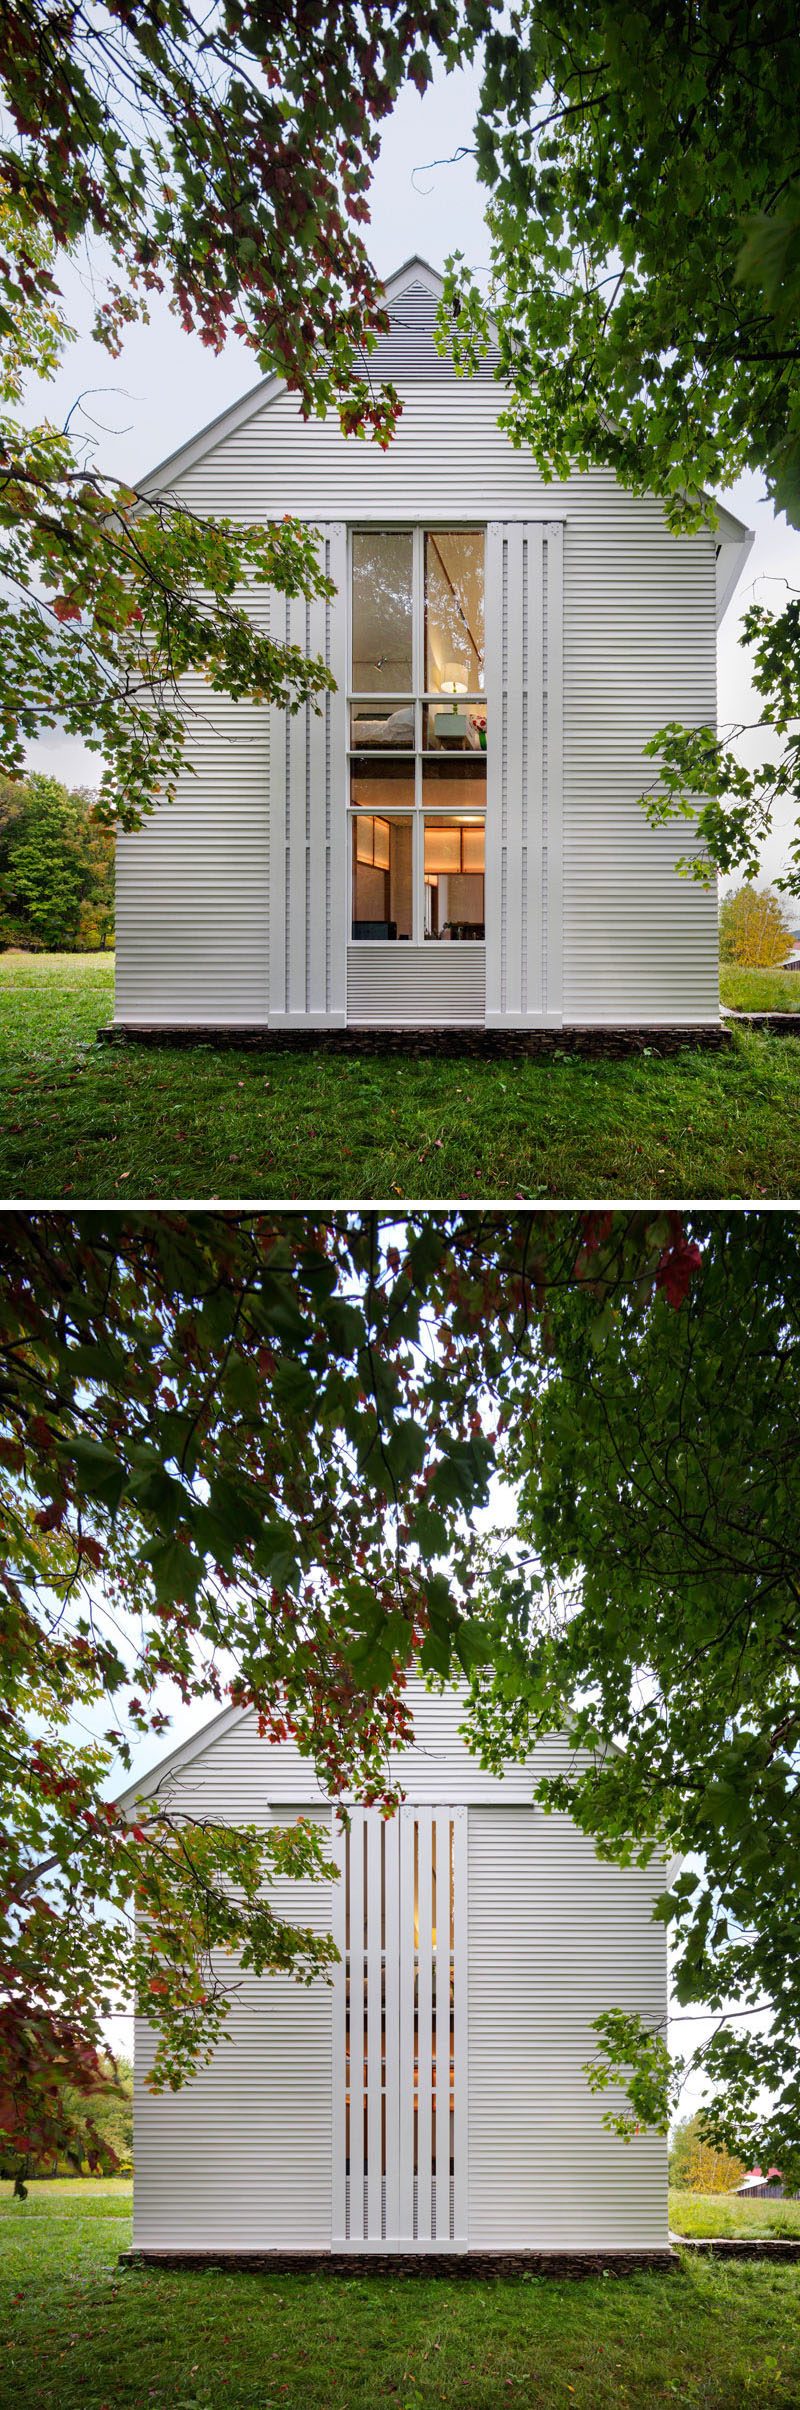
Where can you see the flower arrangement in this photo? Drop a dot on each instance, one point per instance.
(478, 719)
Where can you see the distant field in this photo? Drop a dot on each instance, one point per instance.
(77, 2332)
(759, 991)
(717, 2213)
(81, 1120)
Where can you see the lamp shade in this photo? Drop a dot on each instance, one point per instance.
(454, 679)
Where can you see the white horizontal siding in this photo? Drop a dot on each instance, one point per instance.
(238, 1774)
(640, 942)
(413, 984)
(241, 2158)
(192, 888)
(554, 1937)
(639, 648)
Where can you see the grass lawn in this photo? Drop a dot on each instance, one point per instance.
(82, 1120)
(759, 991)
(722, 2213)
(80, 2333)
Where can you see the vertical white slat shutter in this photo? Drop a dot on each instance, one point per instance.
(395, 1966)
(394, 2104)
(424, 2024)
(308, 820)
(442, 1824)
(357, 2036)
(524, 800)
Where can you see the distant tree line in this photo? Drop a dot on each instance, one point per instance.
(696, 2164)
(56, 868)
(754, 928)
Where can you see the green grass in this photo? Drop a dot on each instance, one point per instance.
(80, 2333)
(759, 991)
(82, 1120)
(722, 2213)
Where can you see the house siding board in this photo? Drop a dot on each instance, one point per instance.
(192, 885)
(241, 2158)
(640, 942)
(308, 832)
(241, 1775)
(410, 985)
(408, 349)
(635, 942)
(554, 1936)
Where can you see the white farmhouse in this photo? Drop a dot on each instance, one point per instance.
(455, 838)
(431, 2098)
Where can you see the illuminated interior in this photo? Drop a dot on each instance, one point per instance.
(417, 692)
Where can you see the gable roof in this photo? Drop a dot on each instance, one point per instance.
(408, 351)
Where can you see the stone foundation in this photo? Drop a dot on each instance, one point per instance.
(476, 2265)
(489, 1045)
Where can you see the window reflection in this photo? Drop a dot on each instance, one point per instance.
(454, 616)
(382, 560)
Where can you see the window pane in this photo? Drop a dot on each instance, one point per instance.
(454, 641)
(382, 876)
(382, 844)
(454, 727)
(385, 731)
(455, 779)
(454, 888)
(382, 611)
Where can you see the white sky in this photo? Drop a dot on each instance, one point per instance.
(166, 386)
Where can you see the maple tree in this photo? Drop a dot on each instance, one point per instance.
(649, 1595)
(225, 162)
(642, 168)
(56, 866)
(240, 1460)
(753, 928)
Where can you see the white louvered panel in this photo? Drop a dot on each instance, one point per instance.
(408, 986)
(443, 1830)
(192, 884)
(524, 774)
(340, 2038)
(554, 1937)
(391, 2067)
(422, 1825)
(357, 2227)
(640, 943)
(408, 349)
(376, 1969)
(241, 2159)
(307, 820)
(395, 2106)
(407, 1985)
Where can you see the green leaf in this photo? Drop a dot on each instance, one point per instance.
(98, 1470)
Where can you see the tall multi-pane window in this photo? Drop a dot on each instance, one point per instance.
(417, 762)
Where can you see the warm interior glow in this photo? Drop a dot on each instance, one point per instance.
(442, 848)
(473, 849)
(372, 842)
(453, 849)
